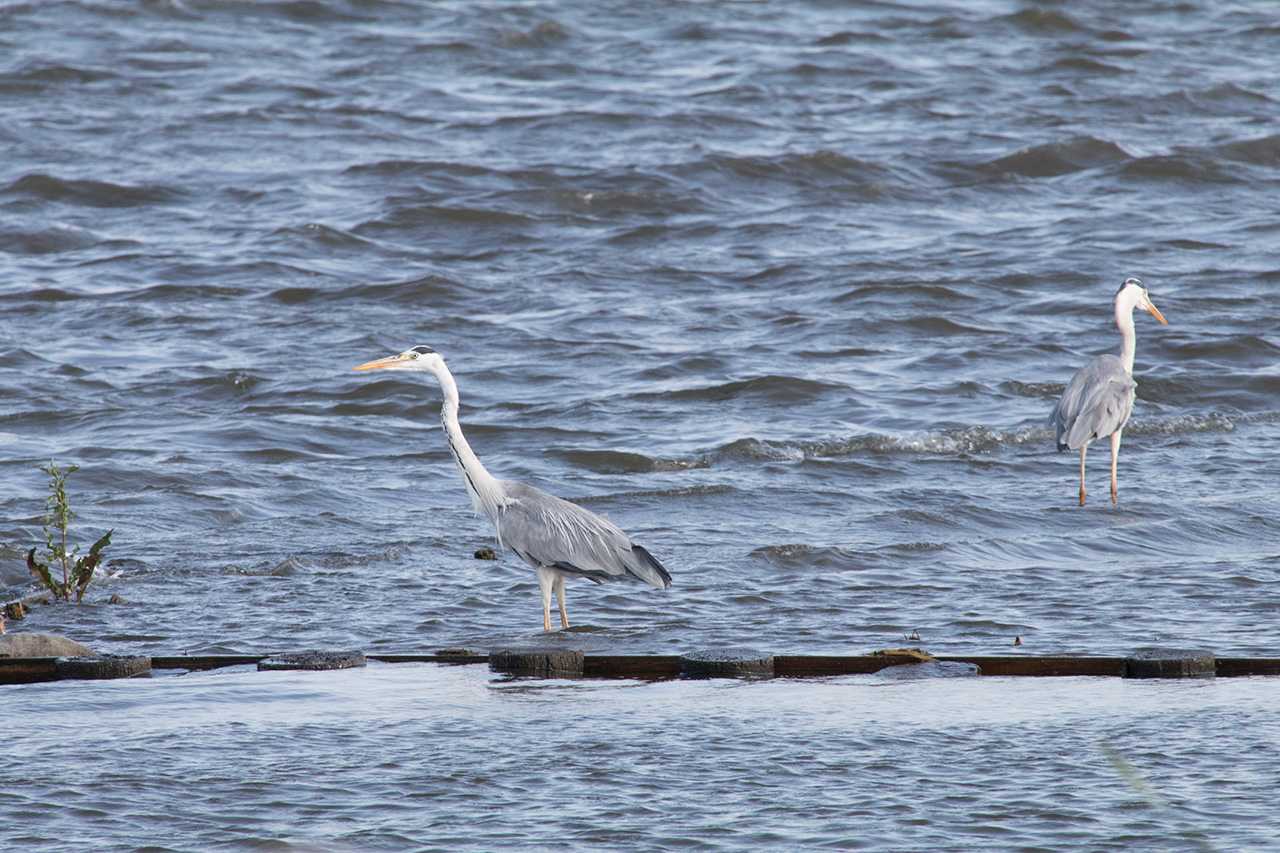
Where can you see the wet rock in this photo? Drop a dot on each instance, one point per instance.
(15, 610)
(909, 653)
(27, 645)
(726, 663)
(486, 554)
(928, 669)
(314, 660)
(543, 662)
(102, 666)
(1171, 663)
(116, 599)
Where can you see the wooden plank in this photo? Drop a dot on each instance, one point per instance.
(27, 670)
(429, 658)
(631, 666)
(1043, 666)
(1237, 667)
(817, 666)
(201, 662)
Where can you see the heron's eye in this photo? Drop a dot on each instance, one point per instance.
(415, 355)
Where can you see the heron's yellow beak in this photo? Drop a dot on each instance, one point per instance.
(380, 363)
(1155, 312)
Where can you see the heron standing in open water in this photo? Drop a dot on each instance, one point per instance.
(557, 538)
(1099, 399)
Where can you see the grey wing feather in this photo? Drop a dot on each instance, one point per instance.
(1096, 403)
(545, 530)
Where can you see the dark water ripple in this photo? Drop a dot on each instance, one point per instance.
(785, 290)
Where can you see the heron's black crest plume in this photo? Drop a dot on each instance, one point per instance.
(1129, 281)
(422, 350)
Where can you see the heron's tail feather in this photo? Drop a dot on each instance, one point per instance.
(648, 569)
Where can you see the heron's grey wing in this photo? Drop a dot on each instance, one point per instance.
(545, 530)
(1096, 403)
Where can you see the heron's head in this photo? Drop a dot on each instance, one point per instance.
(1133, 294)
(422, 359)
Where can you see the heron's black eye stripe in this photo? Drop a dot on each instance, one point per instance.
(422, 350)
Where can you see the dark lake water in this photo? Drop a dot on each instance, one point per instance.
(786, 290)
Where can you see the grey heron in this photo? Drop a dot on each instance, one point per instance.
(557, 538)
(1099, 399)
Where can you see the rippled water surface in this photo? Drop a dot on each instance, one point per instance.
(786, 290)
(414, 757)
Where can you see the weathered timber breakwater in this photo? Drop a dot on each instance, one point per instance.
(569, 663)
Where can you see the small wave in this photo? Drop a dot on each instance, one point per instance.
(1239, 348)
(1039, 390)
(895, 291)
(794, 555)
(964, 441)
(1263, 151)
(1059, 158)
(1182, 424)
(823, 170)
(233, 383)
(1085, 65)
(782, 389)
(1039, 21)
(46, 241)
(1193, 245)
(427, 289)
(619, 462)
(37, 77)
(417, 215)
(544, 34)
(847, 37)
(324, 235)
(1189, 167)
(90, 193)
(680, 492)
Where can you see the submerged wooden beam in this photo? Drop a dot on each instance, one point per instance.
(1043, 666)
(1236, 667)
(201, 662)
(631, 666)
(27, 670)
(34, 669)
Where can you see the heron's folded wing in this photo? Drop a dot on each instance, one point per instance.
(548, 531)
(1096, 403)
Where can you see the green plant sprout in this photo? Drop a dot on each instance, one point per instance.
(76, 572)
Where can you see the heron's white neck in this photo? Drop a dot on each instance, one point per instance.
(487, 494)
(1128, 336)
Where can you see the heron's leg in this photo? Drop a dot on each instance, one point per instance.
(1115, 458)
(1083, 450)
(564, 614)
(546, 580)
